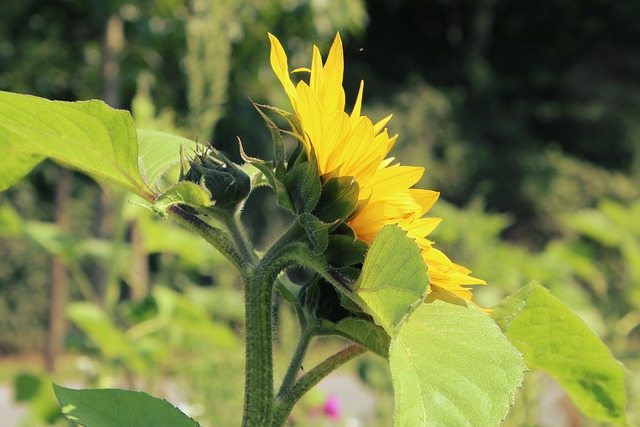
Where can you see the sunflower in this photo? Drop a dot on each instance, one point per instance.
(351, 145)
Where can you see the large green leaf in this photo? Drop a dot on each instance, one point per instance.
(394, 278)
(89, 136)
(452, 366)
(119, 408)
(158, 151)
(14, 165)
(554, 339)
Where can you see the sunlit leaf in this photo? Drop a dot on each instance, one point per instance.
(89, 136)
(14, 165)
(119, 408)
(452, 366)
(554, 339)
(394, 278)
(158, 151)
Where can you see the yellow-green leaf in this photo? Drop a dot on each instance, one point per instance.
(452, 366)
(554, 339)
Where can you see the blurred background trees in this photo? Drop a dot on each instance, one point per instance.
(524, 113)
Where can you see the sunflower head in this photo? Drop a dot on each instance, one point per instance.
(362, 187)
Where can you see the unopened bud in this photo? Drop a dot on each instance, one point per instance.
(227, 183)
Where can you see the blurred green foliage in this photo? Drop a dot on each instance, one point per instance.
(523, 113)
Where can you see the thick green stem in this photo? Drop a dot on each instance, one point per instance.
(283, 407)
(259, 276)
(258, 392)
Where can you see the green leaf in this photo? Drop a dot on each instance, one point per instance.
(35, 390)
(362, 332)
(452, 366)
(394, 278)
(119, 408)
(159, 151)
(178, 313)
(89, 136)
(14, 165)
(49, 237)
(182, 193)
(554, 339)
(10, 221)
(111, 341)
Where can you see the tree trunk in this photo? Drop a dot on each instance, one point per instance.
(59, 277)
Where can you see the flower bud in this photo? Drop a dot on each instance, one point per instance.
(227, 183)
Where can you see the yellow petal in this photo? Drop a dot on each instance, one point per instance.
(357, 107)
(388, 181)
(333, 74)
(280, 66)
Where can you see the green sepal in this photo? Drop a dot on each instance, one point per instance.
(345, 229)
(182, 193)
(304, 186)
(316, 231)
(266, 169)
(291, 118)
(299, 275)
(344, 251)
(298, 156)
(338, 199)
(278, 143)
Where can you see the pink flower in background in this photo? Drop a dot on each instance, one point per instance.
(332, 408)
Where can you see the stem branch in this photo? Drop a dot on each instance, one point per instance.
(296, 362)
(215, 237)
(283, 407)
